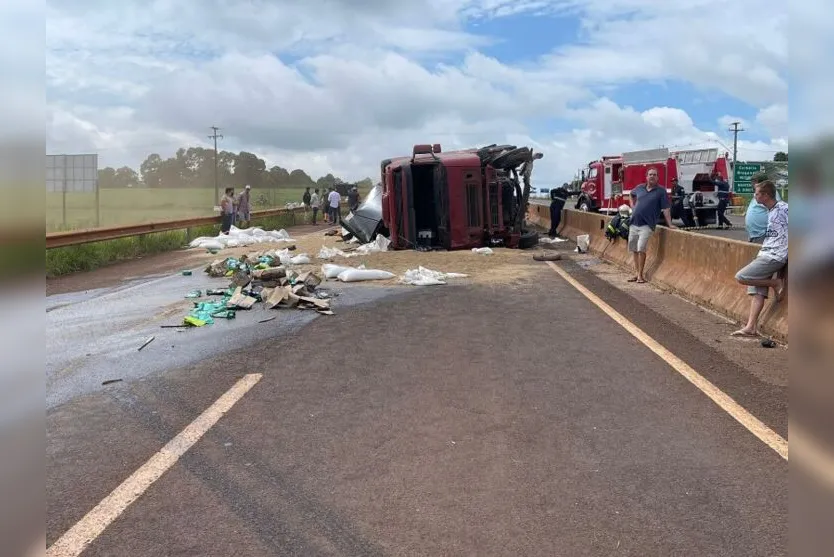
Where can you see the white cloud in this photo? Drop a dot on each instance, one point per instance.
(775, 119)
(335, 86)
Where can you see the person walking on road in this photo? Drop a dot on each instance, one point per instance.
(772, 259)
(649, 200)
(335, 209)
(558, 197)
(723, 189)
(314, 202)
(244, 206)
(227, 210)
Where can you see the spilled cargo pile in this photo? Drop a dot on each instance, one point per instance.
(266, 278)
(240, 238)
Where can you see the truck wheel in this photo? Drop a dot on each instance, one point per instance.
(529, 239)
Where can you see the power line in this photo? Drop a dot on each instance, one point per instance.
(735, 129)
(215, 137)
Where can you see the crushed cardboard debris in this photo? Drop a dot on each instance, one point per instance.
(260, 277)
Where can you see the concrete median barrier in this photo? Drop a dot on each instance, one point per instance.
(698, 267)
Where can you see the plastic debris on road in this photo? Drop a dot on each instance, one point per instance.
(241, 237)
(426, 277)
(482, 251)
(358, 275)
(582, 243)
(546, 240)
(378, 245)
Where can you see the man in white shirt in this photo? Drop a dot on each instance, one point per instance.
(771, 259)
(314, 202)
(335, 210)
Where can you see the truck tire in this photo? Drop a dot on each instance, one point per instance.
(529, 239)
(584, 204)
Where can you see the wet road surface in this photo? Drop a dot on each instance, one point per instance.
(451, 420)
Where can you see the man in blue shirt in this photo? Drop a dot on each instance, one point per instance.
(755, 220)
(649, 200)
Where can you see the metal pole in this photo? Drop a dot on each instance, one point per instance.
(64, 194)
(215, 137)
(98, 206)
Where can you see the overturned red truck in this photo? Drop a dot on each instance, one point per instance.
(450, 200)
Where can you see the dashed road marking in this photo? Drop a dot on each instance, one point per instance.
(724, 401)
(82, 534)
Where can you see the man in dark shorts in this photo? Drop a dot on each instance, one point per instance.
(649, 200)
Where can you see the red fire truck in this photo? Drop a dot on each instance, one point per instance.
(607, 182)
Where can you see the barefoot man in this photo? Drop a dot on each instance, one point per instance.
(758, 275)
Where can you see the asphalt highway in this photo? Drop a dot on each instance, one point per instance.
(463, 419)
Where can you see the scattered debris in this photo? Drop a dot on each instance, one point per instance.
(109, 381)
(768, 343)
(186, 273)
(357, 275)
(240, 300)
(582, 243)
(426, 277)
(267, 319)
(547, 256)
(378, 245)
(546, 240)
(194, 294)
(181, 326)
(237, 237)
(147, 342)
(482, 251)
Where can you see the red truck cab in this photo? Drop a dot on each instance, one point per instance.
(457, 199)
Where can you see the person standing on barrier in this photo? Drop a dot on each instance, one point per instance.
(649, 200)
(772, 259)
(558, 198)
(723, 190)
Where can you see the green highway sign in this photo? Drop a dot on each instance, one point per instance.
(742, 176)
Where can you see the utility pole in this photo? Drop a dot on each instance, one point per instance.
(735, 129)
(215, 137)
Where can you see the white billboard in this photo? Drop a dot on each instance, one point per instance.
(71, 173)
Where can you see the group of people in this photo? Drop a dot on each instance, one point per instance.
(235, 209)
(766, 222)
(329, 203)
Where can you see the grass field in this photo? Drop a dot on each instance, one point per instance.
(137, 206)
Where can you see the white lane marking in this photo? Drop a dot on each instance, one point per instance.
(734, 409)
(82, 534)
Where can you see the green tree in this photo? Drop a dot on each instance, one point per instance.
(125, 177)
(107, 177)
(300, 178)
(781, 156)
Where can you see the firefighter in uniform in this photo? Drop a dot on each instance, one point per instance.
(558, 197)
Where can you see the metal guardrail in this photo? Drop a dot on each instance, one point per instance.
(86, 236)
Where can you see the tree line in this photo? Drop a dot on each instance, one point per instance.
(194, 168)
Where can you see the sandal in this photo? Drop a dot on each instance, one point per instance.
(633, 279)
(741, 333)
(641, 281)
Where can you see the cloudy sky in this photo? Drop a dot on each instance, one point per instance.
(337, 85)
